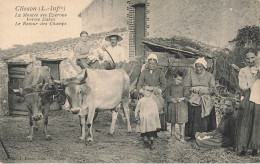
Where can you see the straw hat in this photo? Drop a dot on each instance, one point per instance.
(119, 38)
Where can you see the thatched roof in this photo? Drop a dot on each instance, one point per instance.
(46, 49)
(185, 46)
(37, 48)
(22, 59)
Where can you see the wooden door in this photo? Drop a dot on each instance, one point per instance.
(17, 74)
(54, 66)
(139, 28)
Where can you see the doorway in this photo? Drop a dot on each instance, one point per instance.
(139, 28)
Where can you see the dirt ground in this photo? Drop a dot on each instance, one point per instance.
(120, 148)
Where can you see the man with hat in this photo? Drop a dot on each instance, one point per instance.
(117, 53)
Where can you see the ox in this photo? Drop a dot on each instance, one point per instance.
(38, 90)
(97, 89)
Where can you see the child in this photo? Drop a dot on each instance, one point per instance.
(177, 113)
(95, 57)
(146, 113)
(255, 88)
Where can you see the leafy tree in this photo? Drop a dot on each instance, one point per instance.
(247, 37)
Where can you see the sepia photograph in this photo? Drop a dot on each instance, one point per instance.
(130, 81)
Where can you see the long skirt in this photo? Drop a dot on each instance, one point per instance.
(248, 125)
(196, 123)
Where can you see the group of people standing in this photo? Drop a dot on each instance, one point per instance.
(188, 102)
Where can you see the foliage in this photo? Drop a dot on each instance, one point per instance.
(183, 43)
(249, 36)
(226, 75)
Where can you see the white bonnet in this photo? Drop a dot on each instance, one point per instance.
(153, 56)
(201, 61)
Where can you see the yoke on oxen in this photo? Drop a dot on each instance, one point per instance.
(38, 91)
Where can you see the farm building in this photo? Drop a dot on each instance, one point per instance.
(138, 19)
(16, 63)
(16, 66)
(210, 22)
(20, 66)
(191, 28)
(178, 32)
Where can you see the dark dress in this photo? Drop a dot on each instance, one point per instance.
(248, 121)
(195, 122)
(176, 112)
(248, 125)
(223, 136)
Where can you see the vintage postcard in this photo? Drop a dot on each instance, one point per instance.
(129, 81)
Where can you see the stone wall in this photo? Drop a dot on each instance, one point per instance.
(4, 107)
(104, 15)
(214, 22)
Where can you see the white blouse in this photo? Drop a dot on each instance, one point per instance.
(118, 54)
(245, 78)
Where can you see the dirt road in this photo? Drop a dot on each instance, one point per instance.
(120, 148)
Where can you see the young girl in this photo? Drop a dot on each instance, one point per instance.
(176, 96)
(146, 113)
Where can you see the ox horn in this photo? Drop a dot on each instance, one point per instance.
(84, 77)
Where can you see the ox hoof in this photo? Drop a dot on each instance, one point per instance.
(80, 141)
(89, 143)
(90, 140)
(48, 137)
(82, 138)
(29, 138)
(35, 129)
(129, 133)
(111, 134)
